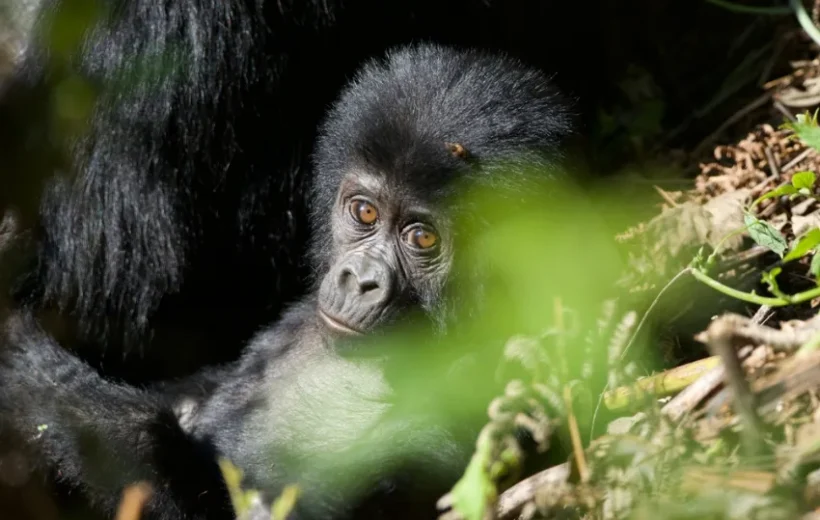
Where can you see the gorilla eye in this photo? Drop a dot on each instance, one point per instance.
(364, 212)
(422, 238)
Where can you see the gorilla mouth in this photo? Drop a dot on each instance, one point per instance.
(338, 326)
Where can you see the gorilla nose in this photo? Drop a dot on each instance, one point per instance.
(365, 277)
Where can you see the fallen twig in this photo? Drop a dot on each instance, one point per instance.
(659, 385)
(787, 340)
(720, 335)
(691, 396)
(797, 159)
(575, 437)
(512, 500)
(793, 378)
(773, 168)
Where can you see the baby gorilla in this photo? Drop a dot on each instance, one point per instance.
(295, 408)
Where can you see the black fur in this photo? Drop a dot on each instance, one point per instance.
(174, 213)
(295, 400)
(146, 189)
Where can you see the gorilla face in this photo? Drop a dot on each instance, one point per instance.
(390, 252)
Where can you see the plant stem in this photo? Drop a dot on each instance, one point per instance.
(754, 298)
(805, 20)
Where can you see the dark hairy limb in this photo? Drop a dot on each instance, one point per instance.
(98, 435)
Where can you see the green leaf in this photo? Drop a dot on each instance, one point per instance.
(815, 264)
(803, 180)
(765, 235)
(806, 129)
(786, 189)
(475, 491)
(803, 245)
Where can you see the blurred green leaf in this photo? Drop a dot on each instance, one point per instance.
(475, 491)
(815, 264)
(283, 505)
(806, 129)
(786, 189)
(66, 27)
(73, 99)
(803, 180)
(240, 499)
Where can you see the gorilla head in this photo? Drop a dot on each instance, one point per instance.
(390, 152)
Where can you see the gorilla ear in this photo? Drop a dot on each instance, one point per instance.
(457, 150)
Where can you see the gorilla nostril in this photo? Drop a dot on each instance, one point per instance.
(347, 279)
(354, 284)
(368, 285)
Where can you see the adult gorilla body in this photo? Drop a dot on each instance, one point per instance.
(391, 154)
(172, 217)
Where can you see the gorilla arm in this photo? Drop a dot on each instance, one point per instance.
(99, 435)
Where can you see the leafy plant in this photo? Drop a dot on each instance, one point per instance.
(802, 184)
(806, 129)
(765, 234)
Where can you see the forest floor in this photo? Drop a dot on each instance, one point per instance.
(732, 428)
